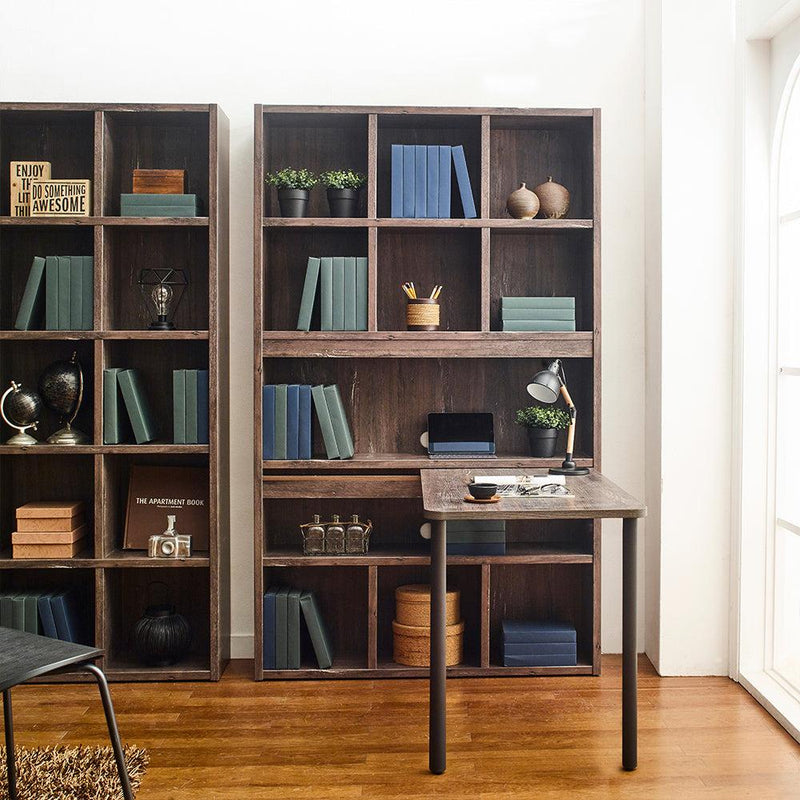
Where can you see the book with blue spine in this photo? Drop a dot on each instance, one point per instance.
(292, 421)
(464, 185)
(326, 294)
(65, 614)
(309, 293)
(540, 661)
(304, 446)
(540, 649)
(420, 181)
(269, 628)
(409, 174)
(31, 307)
(538, 631)
(432, 182)
(445, 180)
(268, 422)
(202, 406)
(46, 616)
(397, 180)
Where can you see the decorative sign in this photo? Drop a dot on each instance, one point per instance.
(60, 198)
(23, 173)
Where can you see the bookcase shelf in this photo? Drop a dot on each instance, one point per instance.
(391, 378)
(105, 143)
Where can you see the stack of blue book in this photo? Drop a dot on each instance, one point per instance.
(538, 313)
(476, 537)
(539, 644)
(421, 181)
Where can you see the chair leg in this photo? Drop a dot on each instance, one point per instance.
(11, 766)
(113, 732)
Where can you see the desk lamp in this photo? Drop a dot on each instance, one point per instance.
(546, 387)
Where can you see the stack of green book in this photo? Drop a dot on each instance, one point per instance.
(538, 313)
(343, 283)
(282, 610)
(158, 205)
(126, 408)
(190, 406)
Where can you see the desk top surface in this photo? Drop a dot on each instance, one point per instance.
(596, 497)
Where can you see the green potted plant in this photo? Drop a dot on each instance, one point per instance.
(343, 186)
(293, 186)
(543, 424)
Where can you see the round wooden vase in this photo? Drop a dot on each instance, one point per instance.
(522, 203)
(553, 199)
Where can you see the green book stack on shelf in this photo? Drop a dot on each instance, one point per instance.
(538, 313)
(284, 609)
(343, 293)
(190, 406)
(64, 298)
(159, 205)
(142, 419)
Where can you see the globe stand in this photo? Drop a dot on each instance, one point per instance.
(20, 439)
(23, 439)
(68, 436)
(61, 385)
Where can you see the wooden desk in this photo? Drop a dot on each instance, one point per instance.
(596, 497)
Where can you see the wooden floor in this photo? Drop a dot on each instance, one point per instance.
(508, 738)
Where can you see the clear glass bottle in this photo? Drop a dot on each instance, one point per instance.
(314, 539)
(334, 537)
(354, 537)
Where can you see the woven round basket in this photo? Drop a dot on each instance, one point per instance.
(422, 314)
(412, 644)
(413, 605)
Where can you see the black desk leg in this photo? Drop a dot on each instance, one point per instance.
(629, 712)
(437, 754)
(11, 766)
(113, 732)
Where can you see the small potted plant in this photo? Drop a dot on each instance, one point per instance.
(343, 186)
(543, 424)
(293, 186)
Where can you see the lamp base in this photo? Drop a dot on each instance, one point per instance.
(161, 325)
(568, 467)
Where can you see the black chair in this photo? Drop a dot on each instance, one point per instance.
(24, 656)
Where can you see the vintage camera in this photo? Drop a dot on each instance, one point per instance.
(170, 544)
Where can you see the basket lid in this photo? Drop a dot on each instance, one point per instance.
(418, 593)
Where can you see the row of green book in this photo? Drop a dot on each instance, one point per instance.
(126, 408)
(538, 313)
(159, 205)
(190, 406)
(343, 293)
(53, 614)
(283, 608)
(59, 295)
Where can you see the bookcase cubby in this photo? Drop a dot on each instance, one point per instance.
(391, 378)
(104, 143)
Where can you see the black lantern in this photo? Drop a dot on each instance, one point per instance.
(162, 290)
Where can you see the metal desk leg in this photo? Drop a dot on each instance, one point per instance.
(113, 732)
(11, 766)
(437, 754)
(629, 712)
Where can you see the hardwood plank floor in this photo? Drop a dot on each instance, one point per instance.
(508, 738)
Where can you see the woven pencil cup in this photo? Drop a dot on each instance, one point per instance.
(422, 314)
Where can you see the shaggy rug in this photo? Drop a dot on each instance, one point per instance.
(71, 773)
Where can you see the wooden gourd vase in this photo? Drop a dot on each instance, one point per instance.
(522, 203)
(553, 199)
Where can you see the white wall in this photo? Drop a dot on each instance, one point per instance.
(517, 53)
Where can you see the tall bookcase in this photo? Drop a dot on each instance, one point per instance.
(105, 143)
(391, 378)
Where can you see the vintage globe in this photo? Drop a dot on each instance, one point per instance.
(60, 385)
(22, 407)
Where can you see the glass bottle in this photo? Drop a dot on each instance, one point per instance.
(314, 541)
(354, 539)
(334, 537)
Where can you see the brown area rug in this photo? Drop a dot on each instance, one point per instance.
(71, 773)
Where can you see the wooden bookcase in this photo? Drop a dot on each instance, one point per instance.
(391, 378)
(105, 143)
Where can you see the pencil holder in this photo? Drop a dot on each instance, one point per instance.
(422, 314)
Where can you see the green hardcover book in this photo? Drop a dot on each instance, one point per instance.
(191, 406)
(31, 624)
(344, 439)
(31, 307)
(6, 611)
(326, 294)
(116, 425)
(76, 293)
(88, 294)
(338, 293)
(316, 630)
(538, 325)
(539, 313)
(281, 628)
(309, 292)
(51, 293)
(537, 302)
(18, 612)
(149, 199)
(142, 419)
(362, 293)
(324, 418)
(63, 293)
(281, 411)
(350, 298)
(179, 406)
(293, 630)
(157, 211)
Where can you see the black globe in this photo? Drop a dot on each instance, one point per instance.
(23, 407)
(60, 385)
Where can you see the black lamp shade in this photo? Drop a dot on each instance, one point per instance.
(546, 385)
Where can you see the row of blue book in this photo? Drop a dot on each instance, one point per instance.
(422, 183)
(53, 614)
(343, 293)
(539, 644)
(538, 313)
(287, 422)
(190, 406)
(59, 295)
(476, 537)
(283, 608)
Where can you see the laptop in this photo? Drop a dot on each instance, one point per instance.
(456, 435)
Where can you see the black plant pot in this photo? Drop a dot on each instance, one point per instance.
(162, 637)
(293, 202)
(542, 442)
(343, 202)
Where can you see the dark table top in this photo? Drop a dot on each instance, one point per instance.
(24, 656)
(596, 497)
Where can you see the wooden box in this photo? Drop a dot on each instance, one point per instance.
(412, 644)
(159, 181)
(413, 605)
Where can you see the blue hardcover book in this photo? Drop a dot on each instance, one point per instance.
(202, 406)
(362, 293)
(464, 185)
(304, 425)
(281, 624)
(397, 180)
(338, 293)
(445, 185)
(268, 422)
(65, 614)
(269, 628)
(420, 181)
(476, 548)
(529, 631)
(326, 294)
(409, 173)
(539, 661)
(292, 421)
(46, 616)
(432, 181)
(541, 649)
